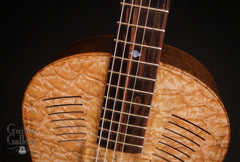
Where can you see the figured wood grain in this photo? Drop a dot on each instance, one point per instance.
(170, 55)
(177, 95)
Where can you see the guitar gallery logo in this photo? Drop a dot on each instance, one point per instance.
(17, 141)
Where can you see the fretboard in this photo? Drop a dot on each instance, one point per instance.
(132, 74)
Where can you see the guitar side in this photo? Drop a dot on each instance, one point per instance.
(62, 103)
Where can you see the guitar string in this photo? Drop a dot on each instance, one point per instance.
(126, 129)
(110, 79)
(127, 77)
(155, 19)
(118, 82)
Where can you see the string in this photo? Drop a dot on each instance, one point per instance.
(119, 80)
(130, 62)
(137, 72)
(114, 104)
(110, 79)
(129, 112)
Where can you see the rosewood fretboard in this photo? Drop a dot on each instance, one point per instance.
(132, 74)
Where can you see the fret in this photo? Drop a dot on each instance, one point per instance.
(123, 143)
(132, 74)
(137, 44)
(133, 103)
(160, 4)
(123, 134)
(123, 137)
(145, 18)
(126, 119)
(133, 68)
(163, 4)
(136, 61)
(123, 128)
(119, 123)
(125, 113)
(147, 54)
(140, 26)
(137, 111)
(143, 37)
(133, 82)
(140, 36)
(126, 137)
(138, 77)
(129, 89)
(144, 7)
(130, 96)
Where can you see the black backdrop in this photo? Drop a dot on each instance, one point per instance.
(37, 31)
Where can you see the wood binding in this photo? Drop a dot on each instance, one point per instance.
(62, 103)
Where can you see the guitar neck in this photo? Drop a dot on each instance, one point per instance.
(132, 72)
(139, 39)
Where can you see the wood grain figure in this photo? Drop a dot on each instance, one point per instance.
(63, 103)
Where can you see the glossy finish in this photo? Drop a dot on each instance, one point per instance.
(63, 103)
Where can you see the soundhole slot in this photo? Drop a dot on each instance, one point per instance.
(187, 130)
(174, 148)
(61, 105)
(63, 134)
(179, 142)
(75, 126)
(191, 123)
(183, 136)
(169, 154)
(66, 112)
(62, 97)
(72, 140)
(66, 120)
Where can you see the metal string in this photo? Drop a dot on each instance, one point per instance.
(129, 112)
(119, 80)
(114, 104)
(130, 62)
(110, 78)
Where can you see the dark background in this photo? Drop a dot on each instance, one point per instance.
(36, 31)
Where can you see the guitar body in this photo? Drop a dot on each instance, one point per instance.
(63, 102)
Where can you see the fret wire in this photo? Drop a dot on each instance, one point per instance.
(134, 103)
(130, 15)
(130, 135)
(116, 111)
(116, 57)
(129, 144)
(142, 62)
(140, 26)
(144, 7)
(135, 90)
(136, 44)
(126, 81)
(115, 51)
(130, 125)
(132, 75)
